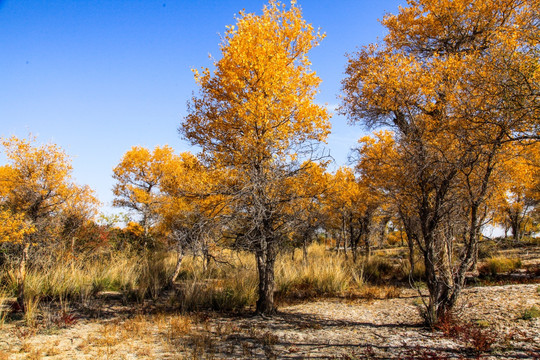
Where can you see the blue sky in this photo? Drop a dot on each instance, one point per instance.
(99, 76)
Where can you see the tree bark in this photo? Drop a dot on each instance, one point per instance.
(515, 225)
(304, 251)
(22, 276)
(266, 257)
(178, 264)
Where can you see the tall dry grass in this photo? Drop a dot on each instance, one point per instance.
(137, 275)
(229, 282)
(323, 274)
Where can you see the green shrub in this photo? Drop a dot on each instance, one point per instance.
(498, 265)
(531, 313)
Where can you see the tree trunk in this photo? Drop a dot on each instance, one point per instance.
(266, 257)
(410, 243)
(304, 251)
(367, 247)
(345, 243)
(22, 276)
(516, 233)
(178, 264)
(72, 265)
(383, 232)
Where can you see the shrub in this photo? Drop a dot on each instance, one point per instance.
(498, 265)
(531, 313)
(378, 269)
(478, 338)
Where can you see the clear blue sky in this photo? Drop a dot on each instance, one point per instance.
(99, 76)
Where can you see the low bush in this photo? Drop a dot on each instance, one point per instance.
(378, 269)
(479, 338)
(531, 313)
(499, 265)
(487, 249)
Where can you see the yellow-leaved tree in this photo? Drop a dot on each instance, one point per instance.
(456, 80)
(138, 178)
(36, 195)
(189, 214)
(306, 208)
(351, 205)
(171, 195)
(256, 120)
(518, 197)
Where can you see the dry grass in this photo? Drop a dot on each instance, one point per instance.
(137, 276)
(231, 284)
(371, 292)
(325, 274)
(31, 306)
(228, 284)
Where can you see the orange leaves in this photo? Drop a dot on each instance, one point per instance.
(36, 190)
(162, 188)
(258, 102)
(35, 172)
(139, 174)
(14, 227)
(257, 122)
(447, 61)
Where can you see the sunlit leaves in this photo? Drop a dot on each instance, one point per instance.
(14, 227)
(258, 103)
(256, 120)
(457, 82)
(37, 192)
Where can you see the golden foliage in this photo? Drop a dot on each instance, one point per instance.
(36, 189)
(259, 101)
(13, 227)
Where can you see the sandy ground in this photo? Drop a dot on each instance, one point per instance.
(326, 329)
